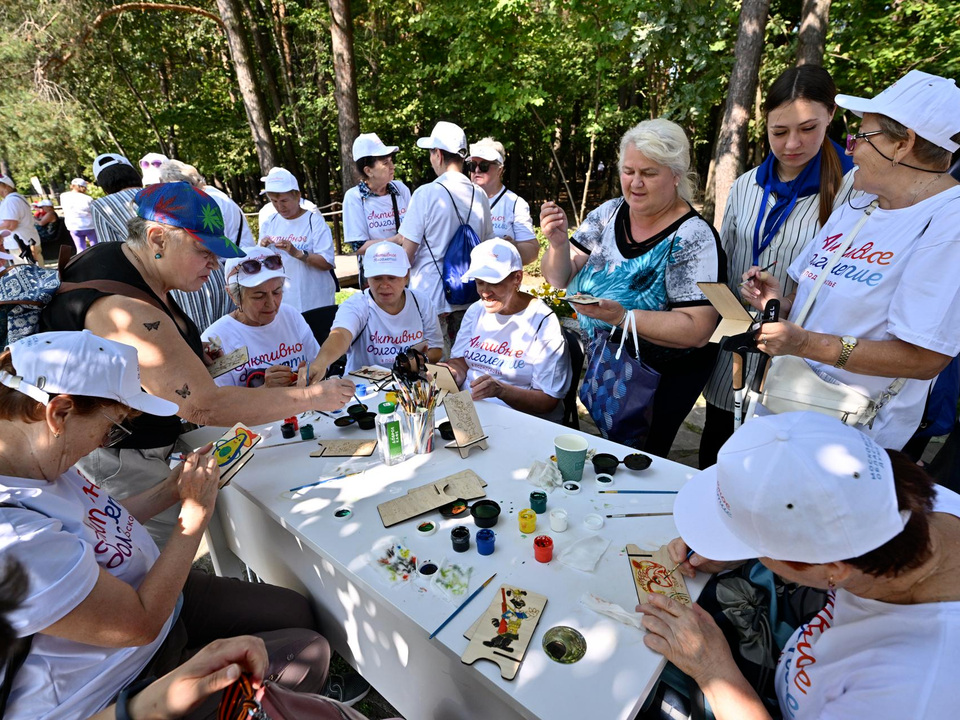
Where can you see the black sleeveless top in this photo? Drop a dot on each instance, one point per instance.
(68, 311)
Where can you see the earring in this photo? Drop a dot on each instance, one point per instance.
(830, 584)
(56, 434)
(157, 256)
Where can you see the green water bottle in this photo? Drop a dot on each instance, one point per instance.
(389, 436)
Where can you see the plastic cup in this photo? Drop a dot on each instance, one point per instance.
(571, 455)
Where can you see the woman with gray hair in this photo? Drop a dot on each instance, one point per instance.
(644, 254)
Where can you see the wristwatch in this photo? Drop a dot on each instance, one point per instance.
(849, 343)
(306, 254)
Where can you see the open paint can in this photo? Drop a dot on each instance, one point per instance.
(485, 513)
(460, 537)
(485, 541)
(543, 548)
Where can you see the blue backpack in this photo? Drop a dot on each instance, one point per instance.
(940, 412)
(457, 258)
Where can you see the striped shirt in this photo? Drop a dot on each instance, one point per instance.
(110, 215)
(736, 234)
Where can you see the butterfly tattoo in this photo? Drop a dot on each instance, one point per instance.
(152, 326)
(183, 392)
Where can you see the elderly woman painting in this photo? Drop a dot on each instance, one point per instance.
(644, 254)
(888, 310)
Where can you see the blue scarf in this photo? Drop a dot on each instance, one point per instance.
(365, 190)
(786, 195)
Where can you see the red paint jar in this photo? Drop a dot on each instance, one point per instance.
(293, 421)
(543, 548)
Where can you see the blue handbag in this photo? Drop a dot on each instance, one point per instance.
(618, 389)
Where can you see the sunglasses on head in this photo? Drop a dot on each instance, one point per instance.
(255, 265)
(482, 166)
(147, 163)
(115, 434)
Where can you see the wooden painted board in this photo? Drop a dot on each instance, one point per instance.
(345, 448)
(505, 630)
(650, 572)
(734, 318)
(232, 449)
(370, 372)
(225, 363)
(467, 429)
(465, 484)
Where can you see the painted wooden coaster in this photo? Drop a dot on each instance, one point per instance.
(651, 574)
(233, 450)
(465, 485)
(505, 629)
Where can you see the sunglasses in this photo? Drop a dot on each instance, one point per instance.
(482, 166)
(853, 139)
(255, 265)
(115, 434)
(147, 163)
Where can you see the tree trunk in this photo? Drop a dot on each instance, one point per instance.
(147, 115)
(345, 88)
(165, 73)
(813, 32)
(732, 142)
(253, 101)
(593, 147)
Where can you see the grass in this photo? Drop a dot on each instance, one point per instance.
(373, 706)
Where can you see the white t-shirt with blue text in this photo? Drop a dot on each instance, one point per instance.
(308, 287)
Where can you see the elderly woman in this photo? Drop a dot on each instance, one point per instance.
(887, 315)
(75, 204)
(277, 338)
(372, 210)
(104, 606)
(822, 505)
(174, 242)
(386, 319)
(509, 212)
(510, 348)
(644, 254)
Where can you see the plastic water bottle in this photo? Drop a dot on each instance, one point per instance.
(389, 434)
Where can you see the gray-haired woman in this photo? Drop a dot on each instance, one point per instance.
(644, 253)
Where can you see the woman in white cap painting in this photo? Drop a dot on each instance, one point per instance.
(875, 310)
(822, 505)
(386, 319)
(510, 348)
(509, 213)
(374, 208)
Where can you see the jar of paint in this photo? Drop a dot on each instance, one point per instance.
(528, 520)
(538, 501)
(293, 421)
(485, 513)
(485, 541)
(287, 430)
(543, 548)
(460, 536)
(558, 520)
(306, 432)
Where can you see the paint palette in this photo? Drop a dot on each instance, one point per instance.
(651, 574)
(233, 450)
(503, 632)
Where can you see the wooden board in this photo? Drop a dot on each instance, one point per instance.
(225, 363)
(232, 450)
(345, 448)
(734, 318)
(467, 429)
(370, 372)
(505, 629)
(465, 484)
(582, 299)
(650, 572)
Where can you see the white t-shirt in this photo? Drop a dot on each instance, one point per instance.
(76, 210)
(14, 207)
(897, 280)
(309, 287)
(372, 218)
(288, 340)
(269, 210)
(431, 217)
(234, 221)
(861, 658)
(63, 534)
(510, 215)
(378, 336)
(526, 350)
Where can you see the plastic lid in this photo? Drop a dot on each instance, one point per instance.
(386, 408)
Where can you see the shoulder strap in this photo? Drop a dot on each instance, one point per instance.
(114, 287)
(454, 202)
(834, 259)
(497, 199)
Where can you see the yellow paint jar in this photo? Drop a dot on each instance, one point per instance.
(391, 397)
(528, 521)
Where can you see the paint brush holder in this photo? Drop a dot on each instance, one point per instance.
(421, 429)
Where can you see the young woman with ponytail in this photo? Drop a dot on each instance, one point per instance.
(775, 209)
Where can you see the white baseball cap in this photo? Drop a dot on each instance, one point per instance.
(385, 258)
(7, 180)
(485, 151)
(80, 363)
(370, 145)
(45, 203)
(279, 180)
(79, 181)
(232, 267)
(445, 136)
(801, 487)
(493, 260)
(927, 104)
(101, 162)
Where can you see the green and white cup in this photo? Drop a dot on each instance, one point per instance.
(571, 456)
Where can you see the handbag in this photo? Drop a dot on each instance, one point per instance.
(793, 385)
(241, 701)
(618, 389)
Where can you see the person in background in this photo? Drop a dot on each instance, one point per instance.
(775, 210)
(374, 209)
(386, 319)
(509, 213)
(822, 505)
(304, 238)
(75, 204)
(278, 340)
(235, 224)
(644, 253)
(510, 348)
(435, 212)
(16, 221)
(268, 209)
(150, 167)
(120, 182)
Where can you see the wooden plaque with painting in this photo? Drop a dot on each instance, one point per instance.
(505, 629)
(651, 574)
(233, 450)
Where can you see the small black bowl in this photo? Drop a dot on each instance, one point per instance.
(344, 421)
(637, 461)
(366, 420)
(358, 409)
(485, 513)
(446, 430)
(605, 463)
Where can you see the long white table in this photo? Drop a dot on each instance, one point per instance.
(383, 630)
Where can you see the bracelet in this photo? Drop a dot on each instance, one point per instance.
(625, 311)
(123, 699)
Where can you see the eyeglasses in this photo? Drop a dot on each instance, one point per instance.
(147, 163)
(852, 139)
(115, 434)
(483, 166)
(255, 265)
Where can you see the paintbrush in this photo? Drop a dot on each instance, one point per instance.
(325, 480)
(462, 606)
(761, 270)
(638, 492)
(689, 555)
(623, 515)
